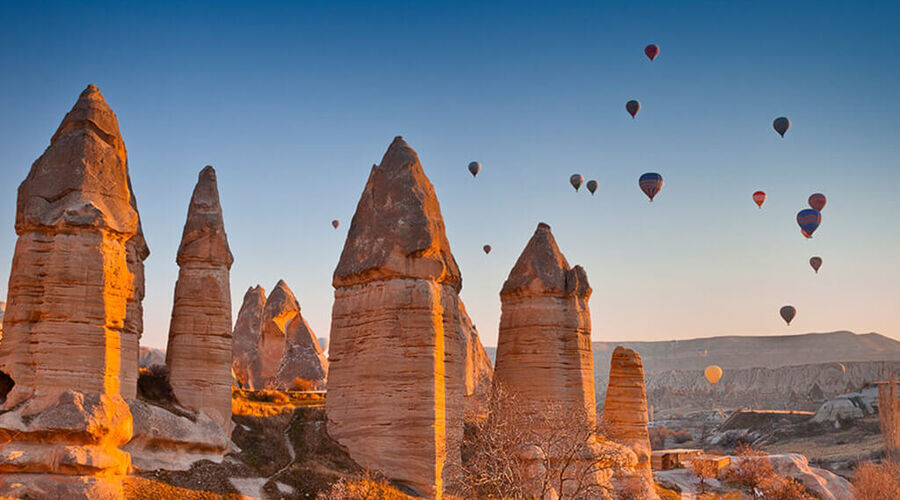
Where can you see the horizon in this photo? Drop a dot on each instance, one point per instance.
(293, 105)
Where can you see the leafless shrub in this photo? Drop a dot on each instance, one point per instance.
(877, 481)
(753, 470)
(704, 469)
(370, 487)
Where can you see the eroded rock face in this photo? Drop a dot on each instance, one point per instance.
(303, 364)
(280, 309)
(625, 418)
(72, 280)
(544, 344)
(198, 356)
(396, 374)
(478, 369)
(247, 327)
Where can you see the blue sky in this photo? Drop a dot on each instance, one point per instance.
(293, 103)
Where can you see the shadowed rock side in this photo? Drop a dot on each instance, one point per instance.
(247, 328)
(396, 375)
(303, 364)
(478, 371)
(69, 344)
(544, 343)
(198, 355)
(625, 417)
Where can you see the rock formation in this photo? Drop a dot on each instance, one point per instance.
(247, 327)
(151, 357)
(281, 307)
(70, 340)
(303, 364)
(198, 356)
(396, 374)
(2, 312)
(625, 417)
(478, 370)
(544, 345)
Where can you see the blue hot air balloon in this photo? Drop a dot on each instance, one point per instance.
(809, 220)
(650, 183)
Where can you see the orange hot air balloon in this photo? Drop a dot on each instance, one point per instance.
(759, 197)
(713, 374)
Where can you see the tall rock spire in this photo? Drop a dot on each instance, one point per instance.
(199, 351)
(281, 308)
(247, 331)
(544, 345)
(70, 334)
(396, 373)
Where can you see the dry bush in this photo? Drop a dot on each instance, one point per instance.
(785, 488)
(302, 384)
(153, 385)
(514, 451)
(369, 487)
(877, 481)
(658, 436)
(753, 470)
(681, 436)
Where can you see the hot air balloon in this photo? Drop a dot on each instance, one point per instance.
(759, 197)
(650, 183)
(817, 201)
(632, 107)
(816, 263)
(474, 168)
(335, 223)
(781, 125)
(713, 373)
(487, 249)
(788, 313)
(808, 220)
(843, 368)
(651, 51)
(576, 180)
(592, 186)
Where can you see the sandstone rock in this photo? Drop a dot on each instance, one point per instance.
(544, 344)
(198, 356)
(2, 311)
(396, 373)
(72, 281)
(478, 370)
(245, 350)
(826, 484)
(163, 440)
(281, 307)
(303, 364)
(625, 417)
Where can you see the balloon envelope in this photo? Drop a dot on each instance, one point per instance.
(788, 313)
(487, 249)
(816, 263)
(650, 183)
(474, 168)
(651, 51)
(592, 186)
(632, 107)
(759, 197)
(576, 180)
(335, 223)
(817, 201)
(781, 125)
(808, 220)
(713, 374)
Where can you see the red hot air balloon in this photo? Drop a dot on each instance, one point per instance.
(487, 249)
(817, 201)
(816, 263)
(632, 107)
(650, 183)
(759, 197)
(651, 51)
(335, 223)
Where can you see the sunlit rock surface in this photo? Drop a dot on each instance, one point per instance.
(396, 373)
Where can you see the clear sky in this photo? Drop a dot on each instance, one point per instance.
(293, 103)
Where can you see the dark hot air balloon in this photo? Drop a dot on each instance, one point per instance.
(335, 223)
(759, 197)
(781, 125)
(592, 186)
(817, 201)
(487, 249)
(576, 180)
(787, 314)
(650, 183)
(651, 51)
(816, 263)
(474, 168)
(632, 107)
(809, 219)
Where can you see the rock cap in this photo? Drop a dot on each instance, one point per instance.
(543, 270)
(204, 238)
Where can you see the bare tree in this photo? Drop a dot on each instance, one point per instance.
(516, 450)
